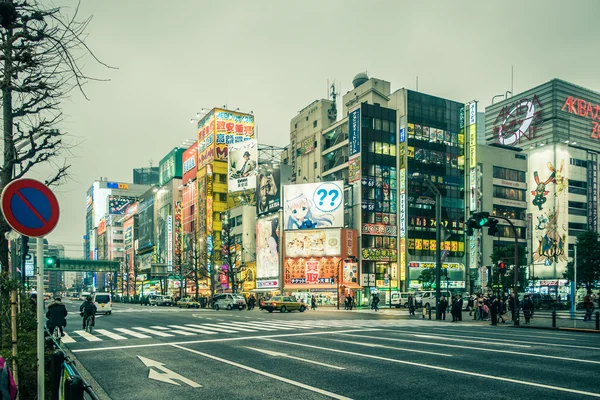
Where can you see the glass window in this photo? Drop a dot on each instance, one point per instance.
(386, 125)
(378, 124)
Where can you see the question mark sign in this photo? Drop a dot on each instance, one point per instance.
(334, 195)
(324, 194)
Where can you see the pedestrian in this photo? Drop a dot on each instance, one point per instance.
(460, 307)
(375, 302)
(33, 299)
(471, 305)
(443, 308)
(527, 308)
(502, 310)
(494, 309)
(588, 305)
(513, 306)
(411, 304)
(57, 314)
(313, 302)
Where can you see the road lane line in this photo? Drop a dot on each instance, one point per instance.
(393, 348)
(67, 339)
(477, 348)
(435, 367)
(132, 333)
(162, 328)
(187, 328)
(274, 325)
(494, 342)
(502, 333)
(256, 326)
(221, 339)
(152, 331)
(263, 373)
(110, 334)
(236, 326)
(87, 336)
(213, 328)
(277, 354)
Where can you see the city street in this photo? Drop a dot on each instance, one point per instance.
(166, 352)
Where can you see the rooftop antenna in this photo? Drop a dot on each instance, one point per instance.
(334, 93)
(150, 162)
(417, 83)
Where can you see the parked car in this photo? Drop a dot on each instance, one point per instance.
(103, 302)
(400, 299)
(156, 300)
(188, 302)
(283, 304)
(229, 301)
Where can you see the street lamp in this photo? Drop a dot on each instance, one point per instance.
(438, 239)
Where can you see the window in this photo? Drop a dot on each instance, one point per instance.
(296, 125)
(314, 124)
(509, 212)
(315, 165)
(509, 193)
(378, 124)
(577, 187)
(509, 174)
(579, 163)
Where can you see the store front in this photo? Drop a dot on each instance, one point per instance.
(551, 287)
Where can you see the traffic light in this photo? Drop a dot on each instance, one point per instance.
(501, 267)
(492, 228)
(482, 218)
(51, 262)
(471, 225)
(24, 247)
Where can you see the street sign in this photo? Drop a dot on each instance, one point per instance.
(29, 265)
(74, 265)
(30, 207)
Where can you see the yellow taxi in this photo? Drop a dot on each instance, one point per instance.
(283, 304)
(188, 302)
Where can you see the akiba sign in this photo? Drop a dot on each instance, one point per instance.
(585, 109)
(518, 122)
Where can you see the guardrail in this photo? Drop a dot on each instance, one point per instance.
(562, 320)
(66, 383)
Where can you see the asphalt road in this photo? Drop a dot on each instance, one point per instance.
(170, 353)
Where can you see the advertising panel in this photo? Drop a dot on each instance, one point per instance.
(128, 233)
(231, 127)
(248, 277)
(380, 229)
(169, 243)
(190, 163)
(306, 146)
(350, 274)
(354, 128)
(349, 243)
(178, 233)
(268, 185)
(312, 243)
(354, 168)
(117, 205)
(101, 227)
(267, 248)
(314, 205)
(209, 201)
(312, 271)
(170, 166)
(376, 254)
(402, 202)
(146, 223)
(243, 163)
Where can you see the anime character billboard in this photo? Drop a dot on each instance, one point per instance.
(313, 205)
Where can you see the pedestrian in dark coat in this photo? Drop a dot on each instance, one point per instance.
(527, 308)
(411, 304)
(443, 307)
(56, 314)
(494, 309)
(460, 307)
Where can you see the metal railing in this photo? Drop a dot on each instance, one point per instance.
(65, 381)
(562, 320)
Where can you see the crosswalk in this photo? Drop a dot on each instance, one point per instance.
(225, 328)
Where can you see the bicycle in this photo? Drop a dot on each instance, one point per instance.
(56, 334)
(88, 324)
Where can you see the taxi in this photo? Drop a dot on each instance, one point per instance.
(188, 302)
(283, 304)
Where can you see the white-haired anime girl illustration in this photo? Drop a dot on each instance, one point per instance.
(300, 215)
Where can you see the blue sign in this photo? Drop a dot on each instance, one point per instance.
(354, 132)
(402, 135)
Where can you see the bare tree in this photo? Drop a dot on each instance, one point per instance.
(197, 261)
(40, 52)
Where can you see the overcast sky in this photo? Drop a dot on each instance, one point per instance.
(275, 57)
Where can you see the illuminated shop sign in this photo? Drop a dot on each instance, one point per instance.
(518, 122)
(585, 109)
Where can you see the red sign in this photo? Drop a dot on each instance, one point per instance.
(312, 271)
(190, 163)
(585, 109)
(30, 207)
(518, 122)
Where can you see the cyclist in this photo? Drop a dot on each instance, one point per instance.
(56, 315)
(88, 309)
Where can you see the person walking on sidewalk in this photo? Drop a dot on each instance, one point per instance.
(375, 302)
(313, 302)
(459, 307)
(588, 305)
(411, 304)
(443, 308)
(527, 308)
(494, 309)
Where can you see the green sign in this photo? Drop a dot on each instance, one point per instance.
(73, 265)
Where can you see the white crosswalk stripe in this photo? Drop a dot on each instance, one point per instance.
(232, 327)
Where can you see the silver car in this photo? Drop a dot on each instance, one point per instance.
(229, 301)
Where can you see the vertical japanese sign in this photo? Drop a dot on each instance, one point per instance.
(209, 199)
(169, 243)
(354, 145)
(178, 236)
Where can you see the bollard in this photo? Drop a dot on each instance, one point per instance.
(429, 310)
(424, 312)
(76, 389)
(554, 318)
(597, 321)
(56, 366)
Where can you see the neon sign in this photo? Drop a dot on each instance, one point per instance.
(518, 121)
(584, 109)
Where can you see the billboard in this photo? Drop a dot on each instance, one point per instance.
(267, 248)
(268, 185)
(146, 223)
(170, 166)
(243, 165)
(313, 205)
(117, 205)
(312, 243)
(354, 145)
(322, 272)
(231, 127)
(190, 163)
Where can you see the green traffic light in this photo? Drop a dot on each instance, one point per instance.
(483, 221)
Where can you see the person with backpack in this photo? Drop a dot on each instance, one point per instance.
(56, 314)
(588, 305)
(88, 309)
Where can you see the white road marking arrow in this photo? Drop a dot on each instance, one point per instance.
(277, 354)
(167, 375)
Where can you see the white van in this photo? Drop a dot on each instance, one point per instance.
(400, 299)
(103, 302)
(427, 299)
(83, 296)
(229, 301)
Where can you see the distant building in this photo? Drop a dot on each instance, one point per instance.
(146, 176)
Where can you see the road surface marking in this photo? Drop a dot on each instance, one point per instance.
(435, 367)
(184, 333)
(496, 341)
(392, 348)
(255, 325)
(503, 333)
(222, 339)
(196, 330)
(236, 326)
(213, 327)
(277, 326)
(152, 331)
(132, 333)
(477, 348)
(87, 336)
(167, 375)
(67, 339)
(277, 354)
(263, 373)
(110, 334)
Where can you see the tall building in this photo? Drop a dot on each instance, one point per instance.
(557, 125)
(146, 176)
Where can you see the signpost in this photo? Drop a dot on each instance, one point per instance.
(31, 209)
